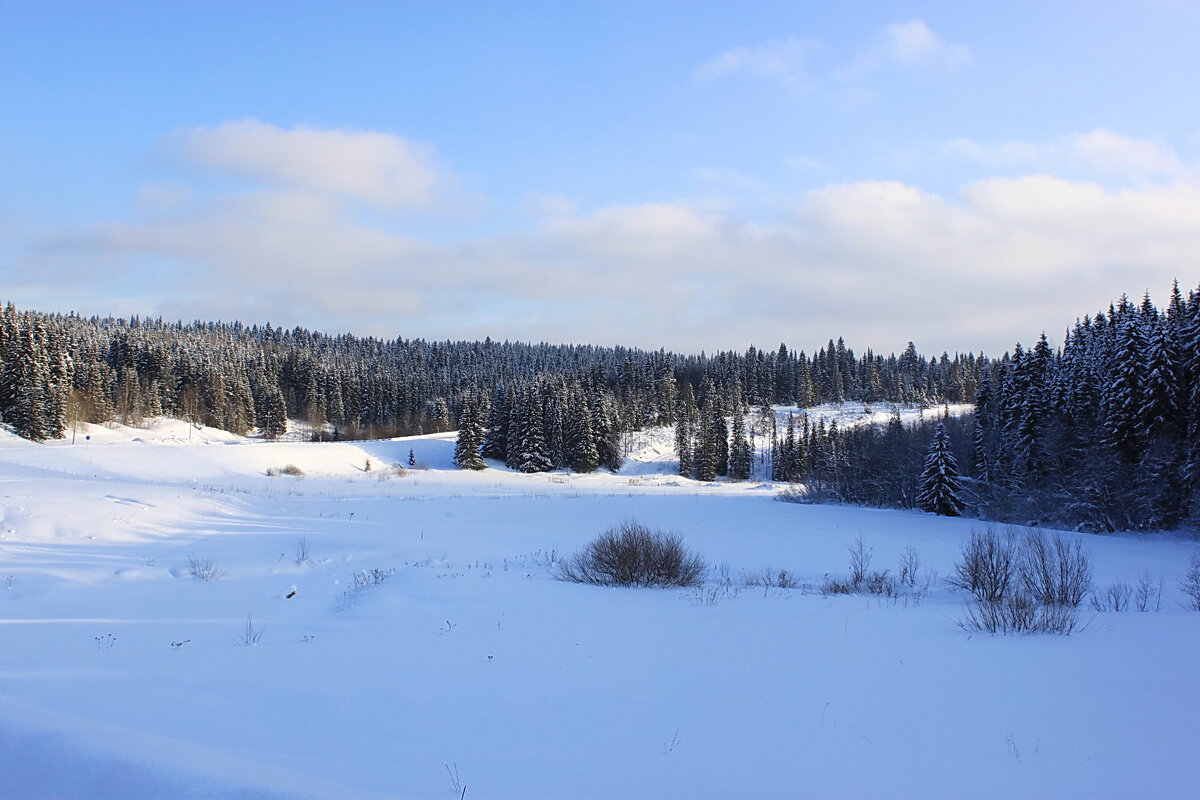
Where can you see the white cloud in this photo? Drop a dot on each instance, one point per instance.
(907, 44)
(782, 60)
(381, 169)
(913, 42)
(879, 262)
(1100, 150)
(1103, 148)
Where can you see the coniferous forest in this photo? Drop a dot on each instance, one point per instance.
(1100, 434)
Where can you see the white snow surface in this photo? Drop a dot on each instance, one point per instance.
(124, 676)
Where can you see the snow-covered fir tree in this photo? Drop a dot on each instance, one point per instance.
(941, 487)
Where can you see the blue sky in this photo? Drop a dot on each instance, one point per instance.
(682, 175)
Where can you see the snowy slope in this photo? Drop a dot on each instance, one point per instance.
(123, 676)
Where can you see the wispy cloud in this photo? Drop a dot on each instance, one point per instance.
(905, 44)
(914, 263)
(783, 61)
(909, 45)
(1101, 150)
(381, 169)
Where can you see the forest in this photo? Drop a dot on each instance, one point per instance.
(1102, 433)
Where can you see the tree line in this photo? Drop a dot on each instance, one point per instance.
(58, 370)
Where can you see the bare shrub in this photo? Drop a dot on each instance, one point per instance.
(837, 586)
(1148, 594)
(1190, 585)
(797, 494)
(771, 578)
(1115, 597)
(1054, 571)
(204, 568)
(631, 554)
(290, 469)
(879, 582)
(702, 595)
(860, 561)
(366, 578)
(1019, 613)
(910, 565)
(987, 566)
(251, 633)
(303, 553)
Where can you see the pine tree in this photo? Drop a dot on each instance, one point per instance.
(940, 488)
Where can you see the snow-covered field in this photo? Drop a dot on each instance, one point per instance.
(424, 647)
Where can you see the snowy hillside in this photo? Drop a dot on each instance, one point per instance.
(370, 630)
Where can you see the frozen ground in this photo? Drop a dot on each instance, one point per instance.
(124, 676)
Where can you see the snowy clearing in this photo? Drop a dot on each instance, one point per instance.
(390, 633)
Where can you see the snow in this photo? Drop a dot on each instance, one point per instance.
(122, 675)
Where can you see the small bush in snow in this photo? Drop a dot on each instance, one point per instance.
(987, 565)
(1191, 583)
(702, 595)
(797, 494)
(251, 634)
(837, 586)
(204, 568)
(910, 565)
(771, 578)
(290, 469)
(1148, 594)
(366, 578)
(860, 561)
(879, 582)
(303, 554)
(1031, 585)
(1054, 571)
(1115, 597)
(1019, 613)
(631, 554)
(862, 579)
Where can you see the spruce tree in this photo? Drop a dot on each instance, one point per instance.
(683, 436)
(470, 438)
(582, 455)
(706, 447)
(495, 439)
(533, 455)
(940, 486)
(607, 448)
(740, 457)
(1122, 425)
